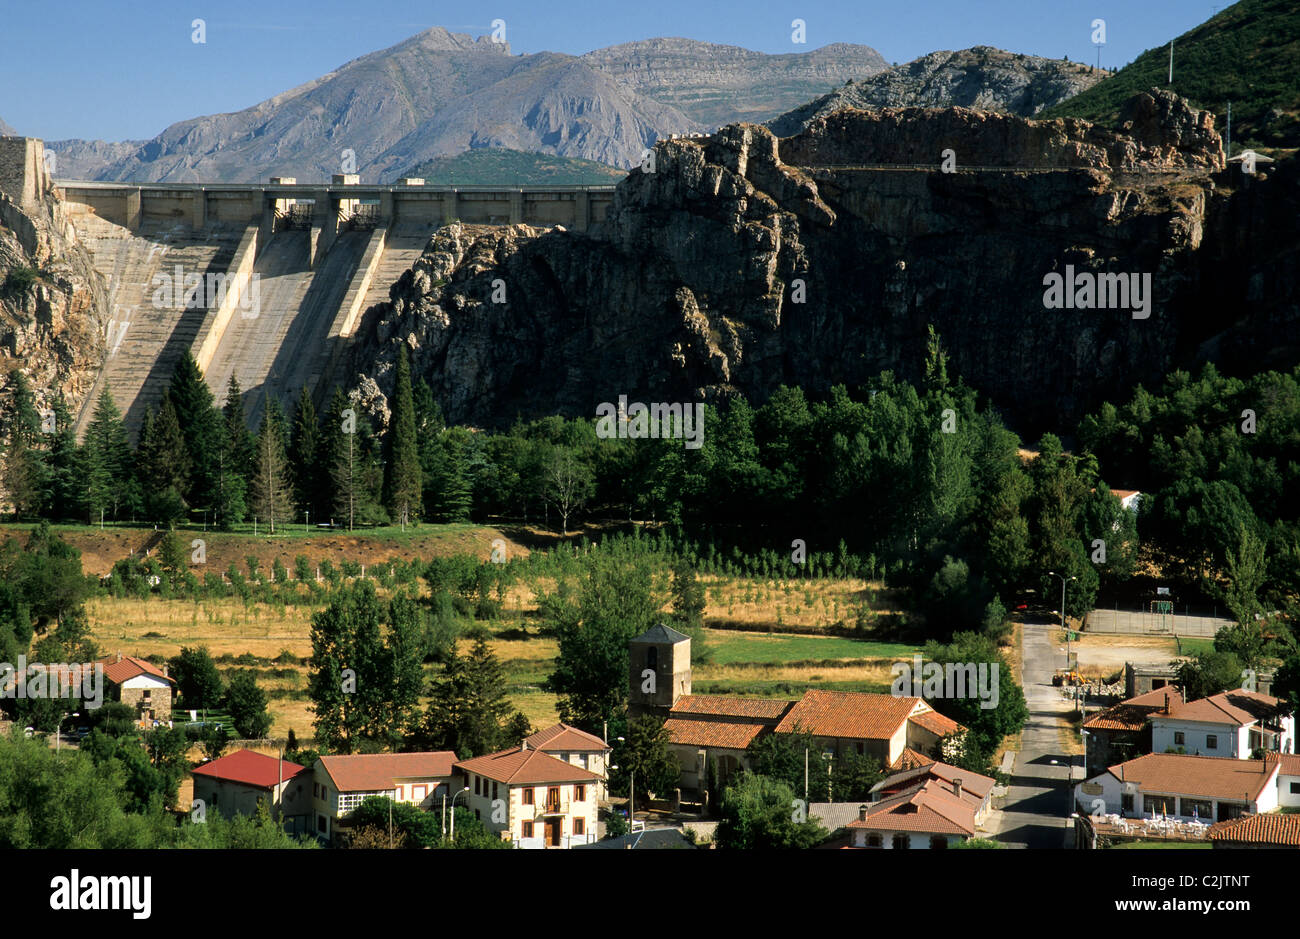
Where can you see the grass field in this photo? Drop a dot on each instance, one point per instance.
(773, 664)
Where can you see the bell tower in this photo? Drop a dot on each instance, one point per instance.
(659, 670)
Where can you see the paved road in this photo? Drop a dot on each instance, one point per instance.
(1037, 805)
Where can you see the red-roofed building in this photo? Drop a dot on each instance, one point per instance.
(533, 798)
(238, 782)
(140, 685)
(341, 783)
(934, 806)
(574, 746)
(1234, 723)
(1273, 830)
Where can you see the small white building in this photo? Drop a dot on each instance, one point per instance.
(1203, 788)
(934, 806)
(1233, 724)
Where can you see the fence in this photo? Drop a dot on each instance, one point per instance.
(1182, 622)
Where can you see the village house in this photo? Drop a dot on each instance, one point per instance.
(710, 734)
(341, 783)
(577, 747)
(140, 685)
(532, 798)
(1123, 731)
(239, 782)
(1189, 788)
(1235, 723)
(933, 806)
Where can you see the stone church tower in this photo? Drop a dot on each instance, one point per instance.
(659, 671)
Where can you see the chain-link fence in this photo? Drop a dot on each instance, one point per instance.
(1172, 620)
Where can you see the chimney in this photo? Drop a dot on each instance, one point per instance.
(862, 813)
(956, 788)
(119, 655)
(523, 745)
(1166, 702)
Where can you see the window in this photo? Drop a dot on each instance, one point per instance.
(1197, 807)
(1295, 789)
(1161, 805)
(652, 658)
(494, 789)
(1211, 741)
(553, 798)
(861, 748)
(216, 793)
(1126, 801)
(875, 841)
(528, 829)
(1178, 738)
(902, 841)
(476, 786)
(579, 826)
(528, 796)
(579, 793)
(321, 824)
(938, 841)
(315, 790)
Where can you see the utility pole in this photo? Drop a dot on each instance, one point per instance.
(1229, 153)
(1171, 65)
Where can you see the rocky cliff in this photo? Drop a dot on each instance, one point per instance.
(981, 77)
(53, 304)
(735, 266)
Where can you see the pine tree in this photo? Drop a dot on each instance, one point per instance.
(108, 460)
(24, 467)
(401, 450)
(200, 424)
(163, 465)
(304, 442)
(239, 440)
(450, 494)
(271, 488)
(62, 496)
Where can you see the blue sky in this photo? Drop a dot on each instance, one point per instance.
(124, 71)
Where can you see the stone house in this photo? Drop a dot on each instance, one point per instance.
(141, 685)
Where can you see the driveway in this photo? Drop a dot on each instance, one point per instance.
(1037, 803)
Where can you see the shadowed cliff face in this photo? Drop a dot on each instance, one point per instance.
(690, 289)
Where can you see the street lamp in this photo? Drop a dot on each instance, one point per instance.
(453, 812)
(58, 730)
(631, 792)
(1066, 631)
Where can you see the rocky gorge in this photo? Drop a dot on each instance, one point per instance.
(744, 261)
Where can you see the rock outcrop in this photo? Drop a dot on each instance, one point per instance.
(981, 77)
(735, 266)
(53, 304)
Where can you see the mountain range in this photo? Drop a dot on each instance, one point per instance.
(441, 93)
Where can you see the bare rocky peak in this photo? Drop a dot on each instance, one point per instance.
(980, 77)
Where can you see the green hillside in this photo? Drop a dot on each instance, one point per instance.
(1247, 54)
(500, 167)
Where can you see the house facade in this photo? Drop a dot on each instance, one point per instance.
(577, 747)
(238, 783)
(341, 783)
(140, 685)
(1232, 724)
(1202, 788)
(533, 799)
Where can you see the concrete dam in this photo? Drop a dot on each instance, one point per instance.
(268, 282)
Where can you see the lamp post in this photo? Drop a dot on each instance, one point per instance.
(58, 731)
(453, 812)
(1066, 631)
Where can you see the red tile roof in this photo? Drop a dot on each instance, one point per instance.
(938, 724)
(926, 808)
(524, 767)
(694, 705)
(911, 759)
(1273, 829)
(726, 734)
(376, 772)
(562, 737)
(974, 786)
(1236, 708)
(250, 768)
(1290, 762)
(127, 667)
(1209, 777)
(851, 714)
(1134, 713)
